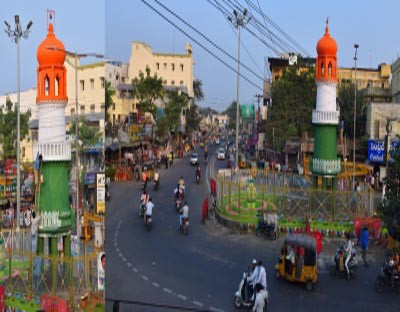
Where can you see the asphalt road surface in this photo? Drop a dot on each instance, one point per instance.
(162, 269)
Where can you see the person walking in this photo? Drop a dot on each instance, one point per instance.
(34, 230)
(364, 245)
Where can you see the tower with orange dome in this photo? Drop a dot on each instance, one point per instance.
(52, 198)
(325, 164)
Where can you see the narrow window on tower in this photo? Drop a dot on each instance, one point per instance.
(330, 69)
(56, 86)
(322, 69)
(46, 85)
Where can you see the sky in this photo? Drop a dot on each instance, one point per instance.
(371, 24)
(110, 26)
(79, 25)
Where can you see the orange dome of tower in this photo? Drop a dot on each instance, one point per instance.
(51, 72)
(326, 65)
(51, 51)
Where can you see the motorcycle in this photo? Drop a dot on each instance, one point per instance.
(240, 295)
(389, 276)
(338, 263)
(178, 203)
(156, 184)
(268, 230)
(197, 178)
(148, 223)
(185, 226)
(182, 190)
(141, 209)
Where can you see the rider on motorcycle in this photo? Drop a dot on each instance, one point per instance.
(251, 280)
(348, 249)
(205, 155)
(149, 209)
(184, 214)
(144, 198)
(156, 177)
(181, 184)
(198, 172)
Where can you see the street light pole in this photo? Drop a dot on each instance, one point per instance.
(240, 21)
(16, 35)
(355, 114)
(77, 55)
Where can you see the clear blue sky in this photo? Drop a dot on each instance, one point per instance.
(78, 24)
(371, 24)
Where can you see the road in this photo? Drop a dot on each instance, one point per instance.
(203, 269)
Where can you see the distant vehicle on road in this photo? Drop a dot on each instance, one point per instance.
(194, 160)
(221, 154)
(217, 141)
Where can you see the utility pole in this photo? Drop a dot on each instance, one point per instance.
(240, 21)
(355, 114)
(258, 96)
(16, 35)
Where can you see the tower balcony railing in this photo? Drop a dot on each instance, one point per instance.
(60, 151)
(329, 117)
(324, 166)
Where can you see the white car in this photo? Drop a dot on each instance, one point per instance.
(194, 160)
(221, 154)
(217, 142)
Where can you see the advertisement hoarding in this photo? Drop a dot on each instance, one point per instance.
(100, 192)
(376, 151)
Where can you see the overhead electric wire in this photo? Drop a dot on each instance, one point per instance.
(207, 39)
(244, 46)
(246, 28)
(280, 30)
(283, 45)
(201, 45)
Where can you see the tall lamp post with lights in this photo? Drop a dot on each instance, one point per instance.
(77, 55)
(16, 35)
(355, 113)
(240, 20)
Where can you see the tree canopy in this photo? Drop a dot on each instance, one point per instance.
(293, 99)
(389, 210)
(109, 93)
(231, 112)
(198, 90)
(147, 89)
(8, 128)
(192, 118)
(88, 135)
(174, 103)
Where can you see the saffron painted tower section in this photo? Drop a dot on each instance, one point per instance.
(325, 164)
(53, 196)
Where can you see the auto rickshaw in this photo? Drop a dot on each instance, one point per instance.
(149, 169)
(304, 268)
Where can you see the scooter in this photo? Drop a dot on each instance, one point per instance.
(240, 295)
(185, 226)
(338, 266)
(389, 276)
(178, 204)
(156, 184)
(148, 223)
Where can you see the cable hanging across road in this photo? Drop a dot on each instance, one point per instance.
(202, 46)
(207, 39)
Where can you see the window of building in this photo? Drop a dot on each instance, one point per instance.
(103, 82)
(103, 107)
(113, 106)
(330, 70)
(23, 151)
(92, 84)
(92, 108)
(82, 109)
(173, 66)
(181, 82)
(158, 66)
(172, 82)
(133, 107)
(56, 86)
(123, 79)
(46, 85)
(117, 77)
(323, 69)
(82, 82)
(72, 111)
(165, 66)
(165, 81)
(181, 67)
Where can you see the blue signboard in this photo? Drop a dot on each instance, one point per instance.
(376, 150)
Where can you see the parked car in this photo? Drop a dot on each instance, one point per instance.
(221, 154)
(194, 160)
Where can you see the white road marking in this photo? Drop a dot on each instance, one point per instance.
(120, 254)
(124, 259)
(145, 277)
(135, 270)
(129, 264)
(168, 291)
(199, 304)
(181, 297)
(156, 284)
(117, 250)
(216, 309)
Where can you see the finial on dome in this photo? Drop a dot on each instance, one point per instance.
(326, 28)
(50, 21)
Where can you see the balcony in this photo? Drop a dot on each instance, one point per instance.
(53, 151)
(328, 118)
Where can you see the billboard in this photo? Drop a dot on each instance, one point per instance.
(247, 111)
(100, 192)
(376, 150)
